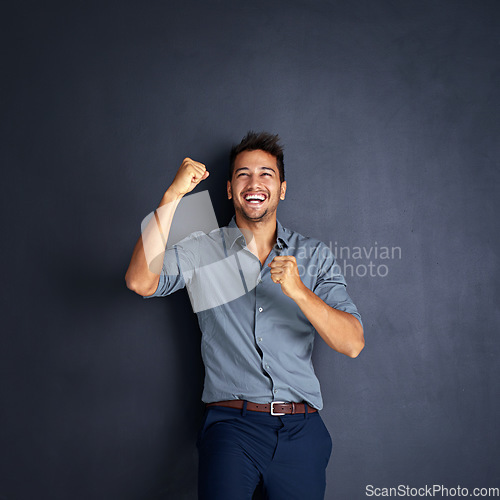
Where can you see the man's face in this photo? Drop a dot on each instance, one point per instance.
(255, 187)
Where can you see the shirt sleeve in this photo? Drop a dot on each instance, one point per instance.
(178, 264)
(331, 286)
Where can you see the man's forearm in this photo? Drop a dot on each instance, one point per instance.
(147, 258)
(340, 330)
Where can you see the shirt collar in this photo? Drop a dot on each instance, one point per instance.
(281, 240)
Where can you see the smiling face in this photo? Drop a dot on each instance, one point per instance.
(255, 187)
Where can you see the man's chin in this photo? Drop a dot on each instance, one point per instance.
(254, 216)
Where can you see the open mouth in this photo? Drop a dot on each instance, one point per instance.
(255, 198)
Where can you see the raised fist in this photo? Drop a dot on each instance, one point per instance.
(189, 175)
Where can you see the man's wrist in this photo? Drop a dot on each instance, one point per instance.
(170, 196)
(301, 295)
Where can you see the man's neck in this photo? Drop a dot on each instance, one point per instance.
(263, 234)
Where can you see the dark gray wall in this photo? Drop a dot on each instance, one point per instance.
(389, 114)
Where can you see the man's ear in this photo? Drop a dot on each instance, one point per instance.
(283, 190)
(229, 191)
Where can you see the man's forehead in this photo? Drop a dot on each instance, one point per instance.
(256, 159)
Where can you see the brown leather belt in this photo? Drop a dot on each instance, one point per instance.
(275, 408)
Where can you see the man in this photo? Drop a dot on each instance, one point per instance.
(262, 422)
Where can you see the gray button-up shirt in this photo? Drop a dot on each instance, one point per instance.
(256, 342)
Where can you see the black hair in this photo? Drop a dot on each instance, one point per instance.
(263, 141)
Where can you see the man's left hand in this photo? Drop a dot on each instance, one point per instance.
(284, 271)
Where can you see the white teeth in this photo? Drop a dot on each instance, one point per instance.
(255, 198)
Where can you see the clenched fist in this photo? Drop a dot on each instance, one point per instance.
(284, 271)
(189, 175)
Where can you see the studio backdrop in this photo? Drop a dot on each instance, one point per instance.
(388, 112)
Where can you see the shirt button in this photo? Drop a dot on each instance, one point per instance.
(267, 366)
(275, 391)
(260, 309)
(260, 339)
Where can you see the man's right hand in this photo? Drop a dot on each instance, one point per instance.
(189, 175)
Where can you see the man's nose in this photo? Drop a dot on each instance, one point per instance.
(253, 181)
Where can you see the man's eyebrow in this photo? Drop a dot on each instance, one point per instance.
(262, 168)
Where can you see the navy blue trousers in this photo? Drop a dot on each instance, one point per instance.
(240, 449)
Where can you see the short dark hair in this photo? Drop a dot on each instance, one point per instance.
(263, 141)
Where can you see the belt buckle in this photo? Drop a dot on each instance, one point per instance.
(275, 414)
